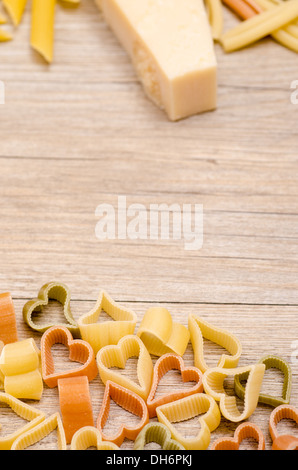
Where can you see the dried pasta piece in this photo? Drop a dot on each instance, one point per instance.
(286, 39)
(50, 291)
(200, 405)
(25, 386)
(243, 431)
(102, 333)
(200, 330)
(260, 26)
(270, 362)
(283, 441)
(2, 19)
(163, 365)
(19, 357)
(42, 28)
(20, 368)
(79, 351)
(40, 431)
(215, 15)
(287, 36)
(161, 335)
(242, 8)
(90, 436)
(269, 4)
(27, 412)
(15, 9)
(8, 326)
(5, 36)
(129, 401)
(112, 356)
(213, 381)
(290, 29)
(254, 5)
(159, 433)
(1, 374)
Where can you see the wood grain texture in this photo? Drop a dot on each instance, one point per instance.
(81, 132)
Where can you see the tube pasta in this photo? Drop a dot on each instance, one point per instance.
(259, 26)
(23, 410)
(15, 9)
(270, 4)
(215, 15)
(286, 36)
(42, 27)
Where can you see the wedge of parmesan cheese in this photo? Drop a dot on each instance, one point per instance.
(171, 47)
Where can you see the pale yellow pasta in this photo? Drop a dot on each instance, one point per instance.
(281, 10)
(5, 36)
(42, 27)
(15, 9)
(215, 15)
(260, 26)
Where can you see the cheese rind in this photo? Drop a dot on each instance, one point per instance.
(171, 46)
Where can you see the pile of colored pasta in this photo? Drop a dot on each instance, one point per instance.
(102, 348)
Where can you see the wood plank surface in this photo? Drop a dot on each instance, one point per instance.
(81, 132)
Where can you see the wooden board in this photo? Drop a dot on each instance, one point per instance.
(81, 132)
